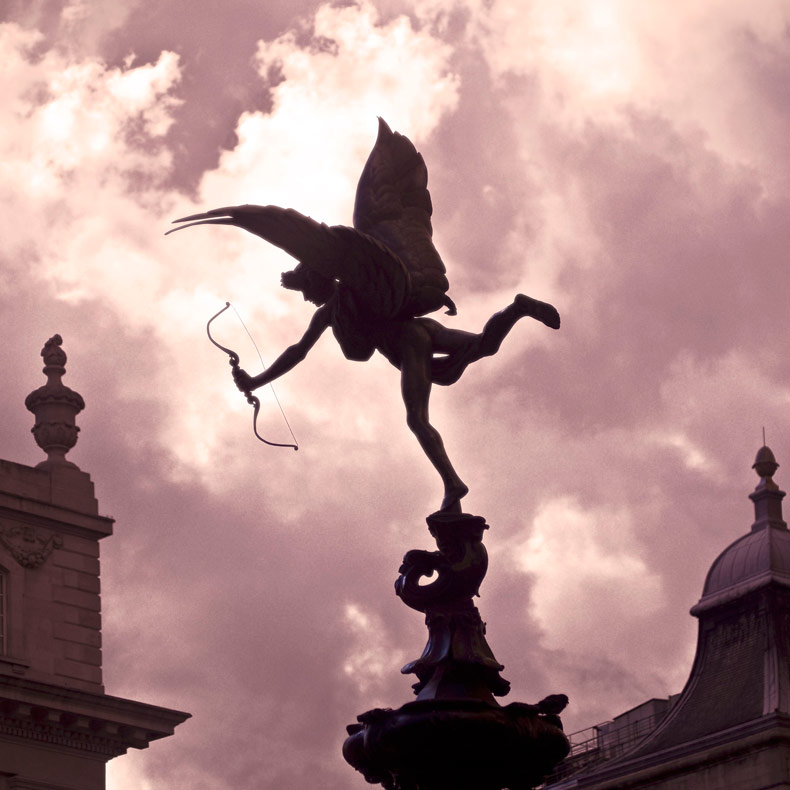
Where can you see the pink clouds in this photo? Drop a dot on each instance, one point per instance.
(627, 163)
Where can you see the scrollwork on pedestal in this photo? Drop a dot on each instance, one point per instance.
(461, 563)
(29, 546)
(457, 659)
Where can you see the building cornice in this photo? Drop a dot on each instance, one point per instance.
(80, 720)
(714, 748)
(55, 517)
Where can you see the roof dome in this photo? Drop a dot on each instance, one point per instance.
(750, 558)
(758, 558)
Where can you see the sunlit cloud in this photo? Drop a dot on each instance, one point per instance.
(305, 153)
(95, 151)
(591, 588)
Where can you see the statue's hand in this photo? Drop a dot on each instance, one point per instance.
(243, 380)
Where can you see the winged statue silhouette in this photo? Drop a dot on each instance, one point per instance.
(373, 285)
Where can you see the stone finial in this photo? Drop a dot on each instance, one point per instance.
(765, 463)
(55, 407)
(767, 497)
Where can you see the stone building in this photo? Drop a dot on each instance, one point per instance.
(729, 729)
(58, 728)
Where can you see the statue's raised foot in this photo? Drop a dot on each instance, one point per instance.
(540, 311)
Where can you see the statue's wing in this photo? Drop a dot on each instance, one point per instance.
(373, 273)
(394, 206)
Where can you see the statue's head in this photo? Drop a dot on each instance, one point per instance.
(314, 286)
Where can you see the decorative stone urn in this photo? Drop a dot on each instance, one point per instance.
(55, 407)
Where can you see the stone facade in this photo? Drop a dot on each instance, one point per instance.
(49, 556)
(57, 726)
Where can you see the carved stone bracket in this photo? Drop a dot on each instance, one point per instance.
(29, 546)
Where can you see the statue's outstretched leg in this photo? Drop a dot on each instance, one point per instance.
(463, 348)
(416, 353)
(498, 326)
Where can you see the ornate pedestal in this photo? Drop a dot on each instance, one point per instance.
(455, 736)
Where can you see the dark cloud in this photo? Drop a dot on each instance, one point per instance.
(217, 46)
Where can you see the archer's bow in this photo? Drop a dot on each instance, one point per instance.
(251, 399)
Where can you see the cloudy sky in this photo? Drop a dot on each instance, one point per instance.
(626, 161)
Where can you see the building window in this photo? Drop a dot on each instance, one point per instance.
(3, 612)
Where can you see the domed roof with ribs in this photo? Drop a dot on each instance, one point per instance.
(760, 557)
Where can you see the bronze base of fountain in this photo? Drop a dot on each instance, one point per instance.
(455, 735)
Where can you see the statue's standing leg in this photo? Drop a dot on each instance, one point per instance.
(416, 354)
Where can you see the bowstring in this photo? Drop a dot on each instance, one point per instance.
(263, 364)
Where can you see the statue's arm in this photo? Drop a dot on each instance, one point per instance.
(290, 358)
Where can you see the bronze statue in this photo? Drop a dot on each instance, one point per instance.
(374, 283)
